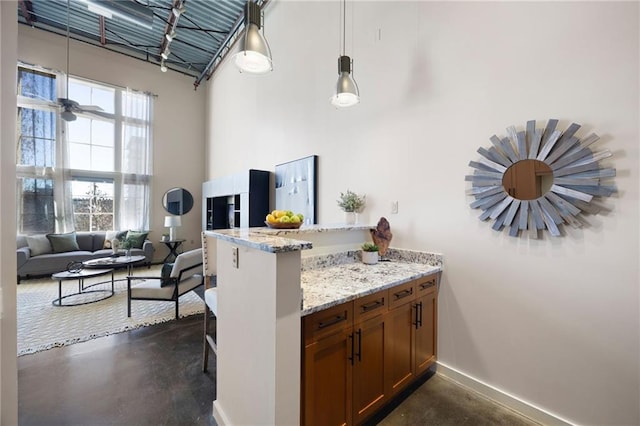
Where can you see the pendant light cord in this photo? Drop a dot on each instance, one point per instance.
(344, 26)
(66, 89)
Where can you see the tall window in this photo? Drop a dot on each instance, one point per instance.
(92, 173)
(37, 136)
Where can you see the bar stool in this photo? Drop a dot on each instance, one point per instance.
(210, 309)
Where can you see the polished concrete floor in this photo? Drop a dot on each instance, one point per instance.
(152, 376)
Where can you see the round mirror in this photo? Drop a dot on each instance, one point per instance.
(527, 179)
(177, 201)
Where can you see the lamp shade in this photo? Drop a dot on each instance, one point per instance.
(347, 93)
(171, 221)
(254, 55)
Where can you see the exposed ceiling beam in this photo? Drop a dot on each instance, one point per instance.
(103, 36)
(26, 8)
(118, 48)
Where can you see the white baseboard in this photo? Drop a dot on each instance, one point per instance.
(218, 414)
(503, 398)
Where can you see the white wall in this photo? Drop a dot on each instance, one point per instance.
(8, 330)
(179, 112)
(554, 321)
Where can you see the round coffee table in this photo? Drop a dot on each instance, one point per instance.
(114, 262)
(80, 276)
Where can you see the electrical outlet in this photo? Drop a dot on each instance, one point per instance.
(394, 207)
(235, 257)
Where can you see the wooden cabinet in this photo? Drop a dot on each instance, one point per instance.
(359, 354)
(426, 324)
(400, 344)
(327, 366)
(369, 337)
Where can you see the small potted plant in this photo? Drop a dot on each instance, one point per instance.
(352, 204)
(369, 253)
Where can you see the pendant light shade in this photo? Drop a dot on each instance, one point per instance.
(347, 93)
(254, 56)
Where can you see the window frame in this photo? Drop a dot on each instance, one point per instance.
(117, 175)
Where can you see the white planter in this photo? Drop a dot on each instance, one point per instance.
(349, 218)
(370, 257)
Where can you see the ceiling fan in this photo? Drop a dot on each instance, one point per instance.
(69, 106)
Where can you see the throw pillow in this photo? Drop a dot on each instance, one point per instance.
(38, 244)
(61, 243)
(135, 239)
(113, 235)
(165, 275)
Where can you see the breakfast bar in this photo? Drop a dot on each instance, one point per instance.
(268, 280)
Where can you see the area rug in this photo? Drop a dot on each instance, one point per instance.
(42, 326)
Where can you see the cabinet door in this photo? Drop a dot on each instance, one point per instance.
(368, 368)
(427, 323)
(327, 384)
(399, 359)
(426, 332)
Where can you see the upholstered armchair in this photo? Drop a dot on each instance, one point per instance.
(185, 275)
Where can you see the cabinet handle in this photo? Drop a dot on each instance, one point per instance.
(419, 321)
(334, 320)
(373, 305)
(359, 354)
(416, 322)
(404, 293)
(428, 284)
(351, 356)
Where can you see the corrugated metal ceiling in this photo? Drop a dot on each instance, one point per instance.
(204, 30)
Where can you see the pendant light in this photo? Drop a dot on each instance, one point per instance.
(254, 56)
(347, 93)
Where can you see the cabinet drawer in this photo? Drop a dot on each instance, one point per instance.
(326, 322)
(401, 294)
(426, 285)
(370, 306)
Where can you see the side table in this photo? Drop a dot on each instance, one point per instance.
(173, 246)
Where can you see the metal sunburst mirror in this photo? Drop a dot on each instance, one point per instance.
(539, 179)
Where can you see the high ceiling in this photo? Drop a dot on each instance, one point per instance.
(204, 31)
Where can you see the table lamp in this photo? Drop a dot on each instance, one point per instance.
(172, 222)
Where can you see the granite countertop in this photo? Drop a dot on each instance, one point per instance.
(312, 229)
(278, 240)
(343, 280)
(260, 241)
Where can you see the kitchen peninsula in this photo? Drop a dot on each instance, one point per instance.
(268, 280)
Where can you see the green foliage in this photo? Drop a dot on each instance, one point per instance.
(369, 247)
(351, 202)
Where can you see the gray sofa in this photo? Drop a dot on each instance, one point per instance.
(91, 246)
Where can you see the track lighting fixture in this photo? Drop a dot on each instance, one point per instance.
(347, 93)
(170, 32)
(177, 11)
(254, 56)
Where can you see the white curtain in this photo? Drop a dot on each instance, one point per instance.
(133, 204)
(62, 197)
